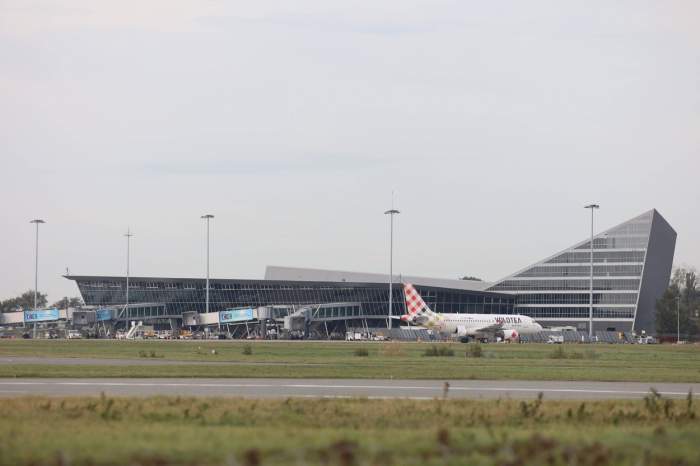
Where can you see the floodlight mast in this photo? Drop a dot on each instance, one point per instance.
(207, 217)
(391, 213)
(678, 316)
(590, 289)
(128, 236)
(37, 222)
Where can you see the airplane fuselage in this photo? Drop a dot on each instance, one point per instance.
(471, 325)
(463, 326)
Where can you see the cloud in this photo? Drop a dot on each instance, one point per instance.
(264, 166)
(330, 24)
(42, 16)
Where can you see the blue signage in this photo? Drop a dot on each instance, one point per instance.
(103, 314)
(41, 315)
(235, 315)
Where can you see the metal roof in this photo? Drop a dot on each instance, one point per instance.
(273, 272)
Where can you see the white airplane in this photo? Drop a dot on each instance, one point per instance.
(465, 326)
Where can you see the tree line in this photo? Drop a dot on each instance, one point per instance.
(26, 301)
(680, 305)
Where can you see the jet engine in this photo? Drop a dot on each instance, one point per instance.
(510, 334)
(461, 331)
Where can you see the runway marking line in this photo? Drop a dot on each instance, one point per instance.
(361, 387)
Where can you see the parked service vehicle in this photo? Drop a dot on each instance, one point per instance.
(73, 335)
(356, 336)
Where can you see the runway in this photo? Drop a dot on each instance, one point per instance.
(342, 388)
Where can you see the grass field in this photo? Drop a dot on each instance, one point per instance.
(652, 363)
(188, 431)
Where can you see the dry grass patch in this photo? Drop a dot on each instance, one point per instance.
(215, 431)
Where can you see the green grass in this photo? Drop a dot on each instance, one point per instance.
(189, 431)
(652, 363)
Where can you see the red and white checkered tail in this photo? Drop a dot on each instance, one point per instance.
(414, 303)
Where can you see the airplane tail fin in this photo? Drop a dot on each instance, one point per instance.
(416, 308)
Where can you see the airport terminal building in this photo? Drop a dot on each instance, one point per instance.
(631, 269)
(632, 266)
(335, 304)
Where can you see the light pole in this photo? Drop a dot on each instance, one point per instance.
(590, 309)
(207, 217)
(391, 214)
(128, 236)
(678, 317)
(37, 222)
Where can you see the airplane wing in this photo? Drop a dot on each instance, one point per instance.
(491, 328)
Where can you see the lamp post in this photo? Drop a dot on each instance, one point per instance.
(590, 309)
(207, 217)
(678, 317)
(36, 222)
(128, 236)
(391, 214)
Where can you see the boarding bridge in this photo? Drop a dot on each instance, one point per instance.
(34, 316)
(144, 312)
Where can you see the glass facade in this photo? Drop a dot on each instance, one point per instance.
(631, 268)
(558, 288)
(363, 300)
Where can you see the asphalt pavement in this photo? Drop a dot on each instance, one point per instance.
(341, 388)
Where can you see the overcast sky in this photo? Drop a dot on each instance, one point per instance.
(494, 122)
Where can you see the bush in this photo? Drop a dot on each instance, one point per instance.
(361, 352)
(531, 409)
(558, 353)
(247, 349)
(474, 351)
(435, 350)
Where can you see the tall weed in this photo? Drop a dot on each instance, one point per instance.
(435, 350)
(361, 352)
(474, 351)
